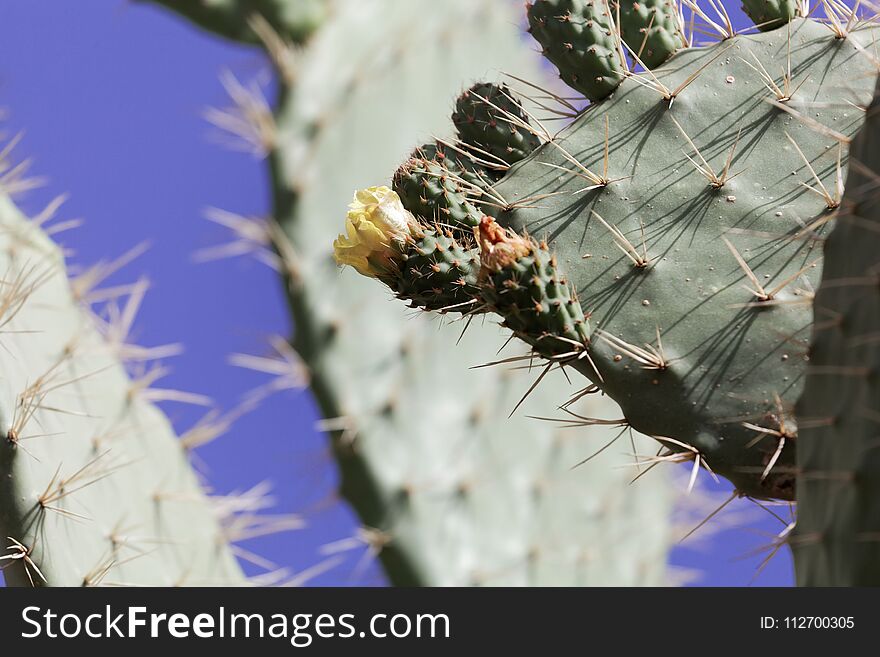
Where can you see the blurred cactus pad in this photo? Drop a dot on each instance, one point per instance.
(95, 487)
(666, 242)
(837, 538)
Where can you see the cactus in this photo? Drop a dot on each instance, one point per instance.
(448, 490)
(580, 37)
(293, 21)
(652, 29)
(770, 14)
(681, 215)
(837, 538)
(96, 488)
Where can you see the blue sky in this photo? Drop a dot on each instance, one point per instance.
(110, 96)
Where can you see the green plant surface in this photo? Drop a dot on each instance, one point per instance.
(96, 487)
(837, 538)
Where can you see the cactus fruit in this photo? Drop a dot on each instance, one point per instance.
(96, 488)
(580, 37)
(837, 538)
(653, 29)
(770, 14)
(683, 212)
(449, 492)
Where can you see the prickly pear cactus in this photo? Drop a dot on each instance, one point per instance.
(678, 221)
(450, 491)
(96, 489)
(837, 537)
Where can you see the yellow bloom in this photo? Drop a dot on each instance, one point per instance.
(376, 226)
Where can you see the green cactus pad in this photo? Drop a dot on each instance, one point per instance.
(580, 38)
(96, 489)
(489, 117)
(770, 14)
(293, 20)
(669, 251)
(838, 517)
(652, 29)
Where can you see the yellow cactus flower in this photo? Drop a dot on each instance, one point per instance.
(376, 226)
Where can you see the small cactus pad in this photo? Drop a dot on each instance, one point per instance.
(294, 20)
(771, 14)
(653, 29)
(440, 189)
(581, 39)
(489, 117)
(437, 273)
(837, 537)
(703, 236)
